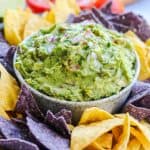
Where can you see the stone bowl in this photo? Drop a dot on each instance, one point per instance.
(111, 104)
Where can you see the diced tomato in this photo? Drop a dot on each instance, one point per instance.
(99, 3)
(39, 6)
(88, 4)
(117, 6)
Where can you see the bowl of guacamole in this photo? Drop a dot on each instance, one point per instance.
(77, 65)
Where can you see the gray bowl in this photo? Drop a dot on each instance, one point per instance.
(111, 104)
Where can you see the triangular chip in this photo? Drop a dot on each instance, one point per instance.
(84, 135)
(103, 142)
(124, 137)
(143, 53)
(34, 24)
(9, 90)
(134, 144)
(141, 138)
(63, 8)
(14, 22)
(94, 114)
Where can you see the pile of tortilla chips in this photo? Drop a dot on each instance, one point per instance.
(60, 11)
(99, 130)
(9, 91)
(143, 51)
(18, 23)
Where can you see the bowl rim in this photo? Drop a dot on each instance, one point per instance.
(78, 103)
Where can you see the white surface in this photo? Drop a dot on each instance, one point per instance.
(141, 7)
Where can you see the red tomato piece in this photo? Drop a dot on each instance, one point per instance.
(117, 7)
(39, 6)
(88, 4)
(99, 3)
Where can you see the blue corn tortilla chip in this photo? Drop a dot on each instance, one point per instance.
(4, 46)
(133, 22)
(27, 103)
(9, 130)
(17, 144)
(50, 139)
(122, 23)
(139, 113)
(58, 123)
(6, 54)
(138, 104)
(139, 87)
(8, 60)
(67, 114)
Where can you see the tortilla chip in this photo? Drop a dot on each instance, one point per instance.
(84, 135)
(94, 114)
(58, 123)
(17, 144)
(116, 133)
(63, 8)
(148, 42)
(46, 136)
(143, 53)
(50, 16)
(34, 24)
(103, 142)
(124, 138)
(135, 123)
(134, 144)
(9, 90)
(144, 123)
(143, 129)
(14, 22)
(141, 138)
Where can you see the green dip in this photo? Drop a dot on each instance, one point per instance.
(77, 62)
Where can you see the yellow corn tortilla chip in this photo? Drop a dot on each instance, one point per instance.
(124, 138)
(134, 144)
(73, 4)
(63, 8)
(103, 142)
(143, 53)
(143, 129)
(144, 123)
(3, 113)
(148, 42)
(50, 16)
(9, 90)
(14, 22)
(135, 123)
(141, 138)
(34, 24)
(94, 114)
(84, 135)
(116, 133)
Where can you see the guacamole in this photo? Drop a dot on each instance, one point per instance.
(77, 62)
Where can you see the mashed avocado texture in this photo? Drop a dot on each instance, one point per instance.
(77, 62)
